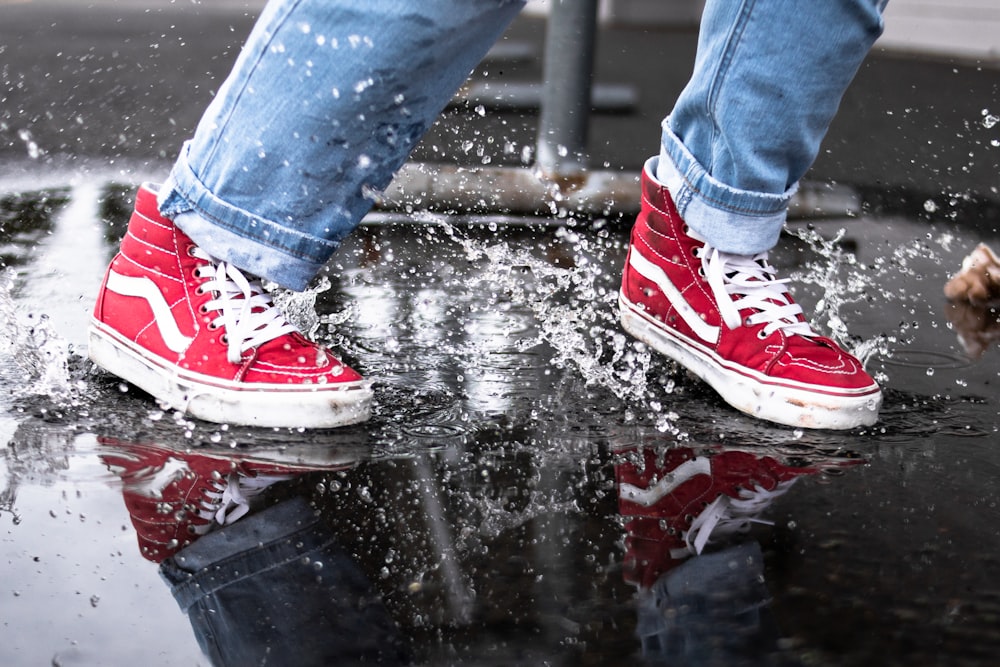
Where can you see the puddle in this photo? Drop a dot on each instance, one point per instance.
(487, 514)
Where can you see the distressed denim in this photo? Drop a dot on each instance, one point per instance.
(324, 104)
(768, 78)
(328, 98)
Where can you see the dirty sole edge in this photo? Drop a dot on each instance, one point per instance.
(744, 390)
(265, 405)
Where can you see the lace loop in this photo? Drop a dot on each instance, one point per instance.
(245, 310)
(227, 499)
(728, 516)
(746, 283)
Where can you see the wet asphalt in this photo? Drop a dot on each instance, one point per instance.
(481, 500)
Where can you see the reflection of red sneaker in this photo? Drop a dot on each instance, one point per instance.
(677, 502)
(174, 497)
(204, 338)
(727, 319)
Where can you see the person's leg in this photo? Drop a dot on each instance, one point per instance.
(325, 103)
(768, 79)
(697, 286)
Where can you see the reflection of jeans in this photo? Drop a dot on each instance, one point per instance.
(768, 79)
(273, 588)
(329, 97)
(710, 610)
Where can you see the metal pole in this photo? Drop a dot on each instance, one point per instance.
(566, 98)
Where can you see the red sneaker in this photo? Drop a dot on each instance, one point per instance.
(202, 337)
(174, 497)
(728, 320)
(676, 502)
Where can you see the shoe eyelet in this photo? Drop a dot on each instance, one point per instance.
(701, 271)
(190, 249)
(212, 326)
(761, 335)
(224, 339)
(198, 291)
(203, 309)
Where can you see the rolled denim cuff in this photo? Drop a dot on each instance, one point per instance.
(733, 220)
(229, 233)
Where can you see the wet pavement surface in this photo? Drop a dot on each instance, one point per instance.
(481, 500)
(518, 495)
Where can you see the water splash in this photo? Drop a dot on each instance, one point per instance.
(842, 281)
(300, 307)
(574, 305)
(37, 357)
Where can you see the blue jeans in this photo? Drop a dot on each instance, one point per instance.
(328, 98)
(768, 78)
(275, 588)
(324, 104)
(713, 609)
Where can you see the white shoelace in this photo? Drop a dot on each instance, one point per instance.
(728, 516)
(230, 498)
(246, 312)
(752, 280)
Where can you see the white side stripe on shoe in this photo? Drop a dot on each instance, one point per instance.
(144, 288)
(667, 484)
(655, 274)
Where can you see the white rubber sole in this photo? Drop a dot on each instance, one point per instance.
(789, 403)
(220, 401)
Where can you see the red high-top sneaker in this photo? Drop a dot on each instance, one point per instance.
(676, 502)
(174, 497)
(728, 320)
(202, 337)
